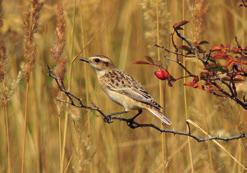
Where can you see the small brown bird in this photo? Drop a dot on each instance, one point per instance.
(123, 89)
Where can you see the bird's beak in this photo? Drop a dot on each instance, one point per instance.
(84, 59)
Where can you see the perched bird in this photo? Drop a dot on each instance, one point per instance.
(123, 89)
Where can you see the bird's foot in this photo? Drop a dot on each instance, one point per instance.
(108, 119)
(131, 123)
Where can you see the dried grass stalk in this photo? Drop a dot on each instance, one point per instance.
(58, 48)
(7, 87)
(3, 62)
(30, 22)
(198, 13)
(150, 15)
(3, 58)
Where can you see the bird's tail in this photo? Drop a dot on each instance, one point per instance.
(160, 115)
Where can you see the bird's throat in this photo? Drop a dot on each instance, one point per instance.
(101, 73)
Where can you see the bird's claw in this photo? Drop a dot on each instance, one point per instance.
(108, 119)
(131, 123)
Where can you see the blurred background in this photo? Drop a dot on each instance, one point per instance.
(40, 134)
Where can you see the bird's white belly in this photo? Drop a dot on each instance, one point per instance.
(123, 100)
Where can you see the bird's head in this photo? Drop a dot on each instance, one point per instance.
(99, 62)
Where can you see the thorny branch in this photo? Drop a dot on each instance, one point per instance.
(215, 78)
(131, 122)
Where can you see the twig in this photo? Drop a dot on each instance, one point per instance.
(227, 89)
(131, 122)
(172, 52)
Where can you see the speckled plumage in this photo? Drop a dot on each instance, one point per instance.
(124, 89)
(121, 82)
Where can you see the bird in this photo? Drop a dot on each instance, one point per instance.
(123, 89)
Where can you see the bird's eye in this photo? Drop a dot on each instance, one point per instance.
(96, 60)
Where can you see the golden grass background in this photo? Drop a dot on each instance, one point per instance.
(40, 134)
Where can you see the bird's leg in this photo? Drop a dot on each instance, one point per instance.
(138, 113)
(131, 123)
(108, 118)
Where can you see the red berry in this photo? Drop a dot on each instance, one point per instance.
(162, 74)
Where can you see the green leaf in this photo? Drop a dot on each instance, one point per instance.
(216, 68)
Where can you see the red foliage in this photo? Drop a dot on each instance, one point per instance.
(178, 25)
(222, 65)
(192, 84)
(220, 55)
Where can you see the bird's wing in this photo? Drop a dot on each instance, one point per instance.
(125, 84)
(142, 96)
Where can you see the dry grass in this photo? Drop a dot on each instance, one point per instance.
(39, 134)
